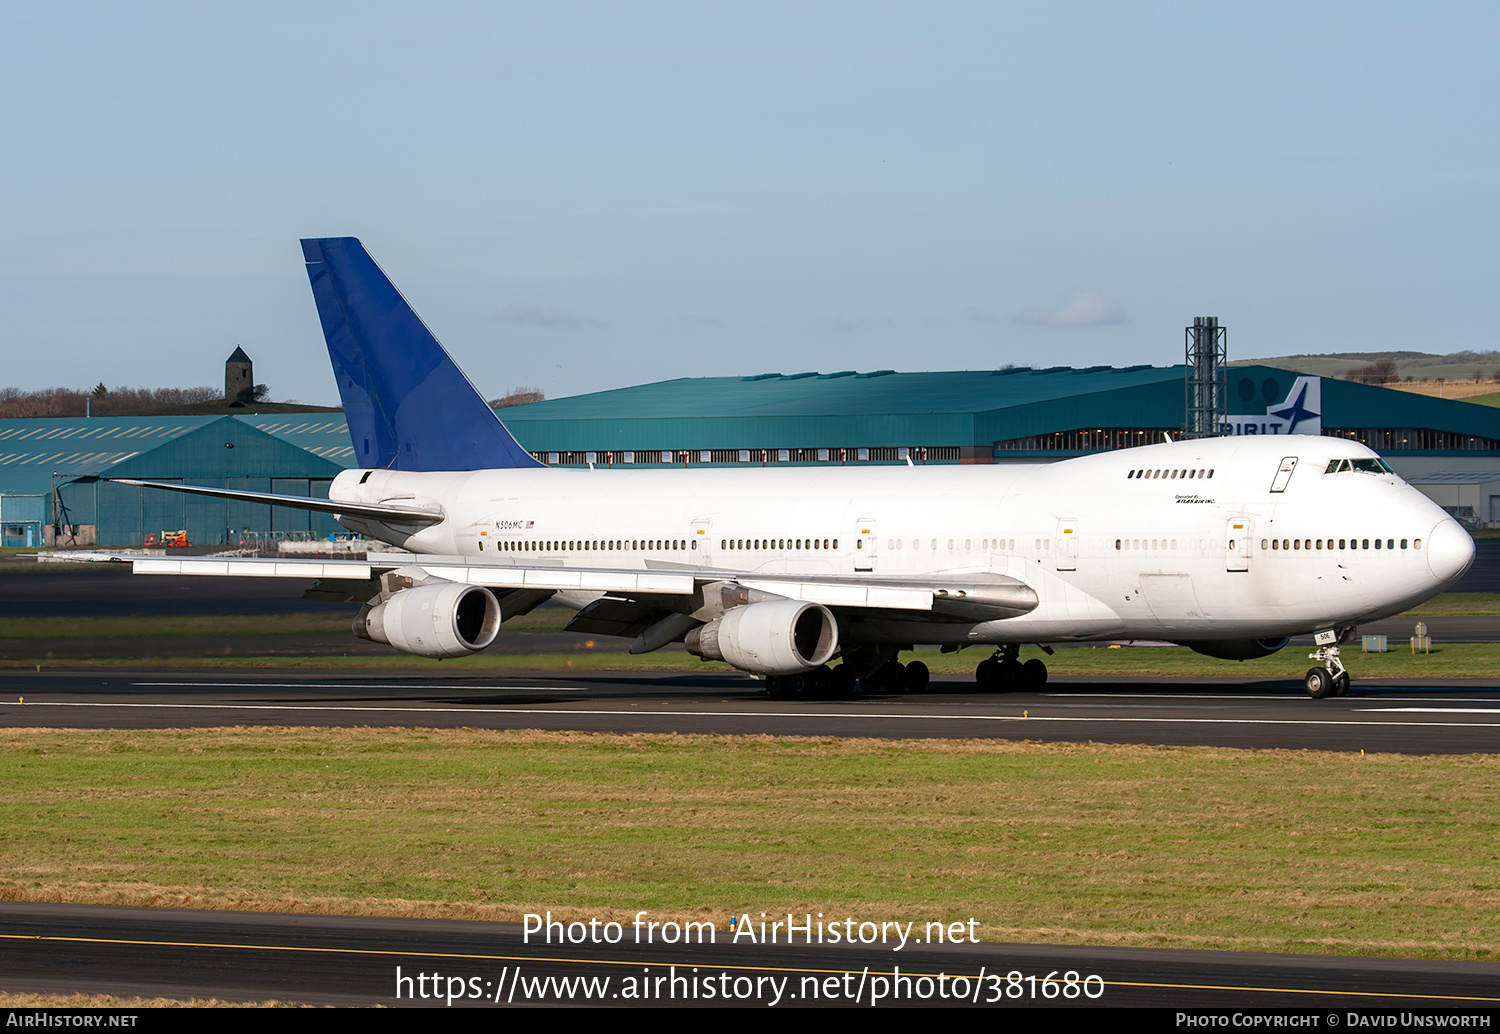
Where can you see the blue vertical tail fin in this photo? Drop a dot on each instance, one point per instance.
(408, 405)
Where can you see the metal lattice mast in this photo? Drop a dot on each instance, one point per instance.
(1207, 356)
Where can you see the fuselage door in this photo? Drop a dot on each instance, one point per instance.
(865, 544)
(1067, 545)
(703, 534)
(1284, 473)
(1238, 539)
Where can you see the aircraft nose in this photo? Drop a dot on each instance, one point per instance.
(1450, 551)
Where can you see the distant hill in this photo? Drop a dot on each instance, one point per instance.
(71, 402)
(1405, 367)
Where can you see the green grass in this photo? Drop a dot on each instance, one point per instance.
(1455, 660)
(1185, 847)
(1459, 604)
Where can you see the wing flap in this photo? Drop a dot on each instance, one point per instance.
(250, 567)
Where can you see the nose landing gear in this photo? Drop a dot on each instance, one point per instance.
(1329, 677)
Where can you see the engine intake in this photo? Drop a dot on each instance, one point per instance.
(447, 620)
(776, 637)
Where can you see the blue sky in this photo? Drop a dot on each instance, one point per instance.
(584, 196)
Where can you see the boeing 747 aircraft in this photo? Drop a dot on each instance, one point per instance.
(1226, 545)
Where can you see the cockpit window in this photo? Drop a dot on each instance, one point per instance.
(1368, 466)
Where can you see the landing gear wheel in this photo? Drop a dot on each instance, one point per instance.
(1034, 673)
(888, 678)
(917, 677)
(987, 675)
(1012, 675)
(1329, 678)
(841, 682)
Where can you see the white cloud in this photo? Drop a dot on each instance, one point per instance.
(1083, 309)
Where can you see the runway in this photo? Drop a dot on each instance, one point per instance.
(334, 960)
(1384, 717)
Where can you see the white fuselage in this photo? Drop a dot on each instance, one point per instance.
(1199, 540)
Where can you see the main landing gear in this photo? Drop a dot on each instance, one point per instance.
(1004, 672)
(1329, 677)
(822, 683)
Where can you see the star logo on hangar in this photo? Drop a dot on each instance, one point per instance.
(1296, 412)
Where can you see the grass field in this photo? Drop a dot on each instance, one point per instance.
(132, 641)
(1187, 847)
(1454, 661)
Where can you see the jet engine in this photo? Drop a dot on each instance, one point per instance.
(775, 637)
(1238, 649)
(441, 620)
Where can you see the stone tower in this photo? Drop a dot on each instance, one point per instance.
(239, 379)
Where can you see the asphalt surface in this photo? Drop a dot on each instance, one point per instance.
(1386, 717)
(353, 961)
(110, 590)
(330, 960)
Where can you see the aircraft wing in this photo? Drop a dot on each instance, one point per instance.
(961, 596)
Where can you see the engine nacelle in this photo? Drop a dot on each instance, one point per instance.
(445, 620)
(1238, 649)
(776, 637)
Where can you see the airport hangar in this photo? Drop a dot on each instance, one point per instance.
(53, 471)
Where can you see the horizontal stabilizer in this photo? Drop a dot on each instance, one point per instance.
(401, 515)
